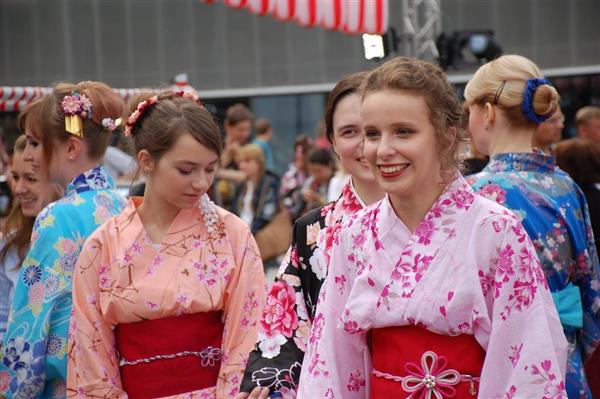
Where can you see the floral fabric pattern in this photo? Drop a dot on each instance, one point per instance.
(468, 268)
(34, 362)
(555, 215)
(291, 303)
(207, 261)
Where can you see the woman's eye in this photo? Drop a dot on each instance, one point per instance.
(210, 170)
(184, 171)
(403, 132)
(371, 133)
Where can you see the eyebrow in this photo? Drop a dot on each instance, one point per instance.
(347, 126)
(196, 163)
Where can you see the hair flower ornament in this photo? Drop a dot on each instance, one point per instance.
(135, 116)
(111, 124)
(75, 107)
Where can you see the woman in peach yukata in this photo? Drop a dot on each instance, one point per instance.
(433, 292)
(167, 295)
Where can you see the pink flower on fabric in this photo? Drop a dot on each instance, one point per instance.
(355, 382)
(515, 354)
(463, 199)
(505, 262)
(425, 231)
(493, 192)
(279, 316)
(36, 294)
(4, 381)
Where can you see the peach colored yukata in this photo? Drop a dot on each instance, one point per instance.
(207, 261)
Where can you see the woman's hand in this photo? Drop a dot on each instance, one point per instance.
(257, 393)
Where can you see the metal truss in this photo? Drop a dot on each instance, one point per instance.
(422, 23)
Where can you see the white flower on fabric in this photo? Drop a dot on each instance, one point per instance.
(301, 307)
(271, 346)
(317, 263)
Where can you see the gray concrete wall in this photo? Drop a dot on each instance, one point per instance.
(132, 43)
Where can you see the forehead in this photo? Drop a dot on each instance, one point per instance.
(389, 106)
(188, 149)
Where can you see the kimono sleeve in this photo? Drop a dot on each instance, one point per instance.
(526, 353)
(93, 369)
(244, 302)
(283, 333)
(35, 342)
(588, 281)
(336, 363)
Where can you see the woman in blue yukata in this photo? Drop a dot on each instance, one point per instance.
(67, 134)
(507, 99)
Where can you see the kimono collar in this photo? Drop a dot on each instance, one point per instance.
(521, 162)
(357, 198)
(91, 180)
(456, 198)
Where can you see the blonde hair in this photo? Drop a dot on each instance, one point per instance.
(251, 151)
(427, 80)
(586, 114)
(502, 83)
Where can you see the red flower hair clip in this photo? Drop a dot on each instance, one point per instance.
(135, 116)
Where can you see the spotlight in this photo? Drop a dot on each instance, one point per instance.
(377, 47)
(480, 43)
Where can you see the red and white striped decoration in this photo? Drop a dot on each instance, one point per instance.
(349, 16)
(14, 99)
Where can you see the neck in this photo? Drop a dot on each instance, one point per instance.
(156, 212)
(412, 209)
(511, 140)
(368, 191)
(78, 169)
(254, 179)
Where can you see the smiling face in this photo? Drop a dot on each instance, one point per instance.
(32, 190)
(183, 174)
(401, 144)
(348, 138)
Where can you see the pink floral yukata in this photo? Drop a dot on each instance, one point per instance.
(207, 261)
(468, 269)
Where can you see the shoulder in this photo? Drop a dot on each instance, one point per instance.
(313, 216)
(231, 222)
(489, 216)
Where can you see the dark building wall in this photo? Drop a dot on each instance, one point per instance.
(133, 43)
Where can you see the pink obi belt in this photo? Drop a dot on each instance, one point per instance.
(412, 362)
(170, 356)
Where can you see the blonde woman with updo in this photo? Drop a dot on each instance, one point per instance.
(508, 98)
(419, 301)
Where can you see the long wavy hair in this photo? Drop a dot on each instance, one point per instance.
(17, 227)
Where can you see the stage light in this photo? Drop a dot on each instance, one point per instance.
(480, 43)
(374, 47)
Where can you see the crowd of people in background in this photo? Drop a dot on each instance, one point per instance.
(407, 221)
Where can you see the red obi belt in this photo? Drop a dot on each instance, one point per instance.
(170, 356)
(411, 362)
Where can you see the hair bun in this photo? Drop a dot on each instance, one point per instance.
(545, 100)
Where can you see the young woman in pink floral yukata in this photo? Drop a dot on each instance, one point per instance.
(168, 294)
(433, 292)
(291, 304)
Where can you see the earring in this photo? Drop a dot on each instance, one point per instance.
(486, 127)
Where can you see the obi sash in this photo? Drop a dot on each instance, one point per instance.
(170, 356)
(413, 362)
(568, 305)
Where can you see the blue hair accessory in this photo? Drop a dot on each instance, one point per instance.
(527, 104)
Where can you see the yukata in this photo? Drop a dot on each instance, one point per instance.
(35, 345)
(175, 319)
(554, 212)
(459, 308)
(291, 303)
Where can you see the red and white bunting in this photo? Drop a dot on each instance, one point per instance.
(14, 99)
(348, 16)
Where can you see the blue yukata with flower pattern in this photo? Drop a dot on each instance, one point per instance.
(34, 349)
(555, 214)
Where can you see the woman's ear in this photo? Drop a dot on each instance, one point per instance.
(145, 161)
(74, 147)
(489, 115)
